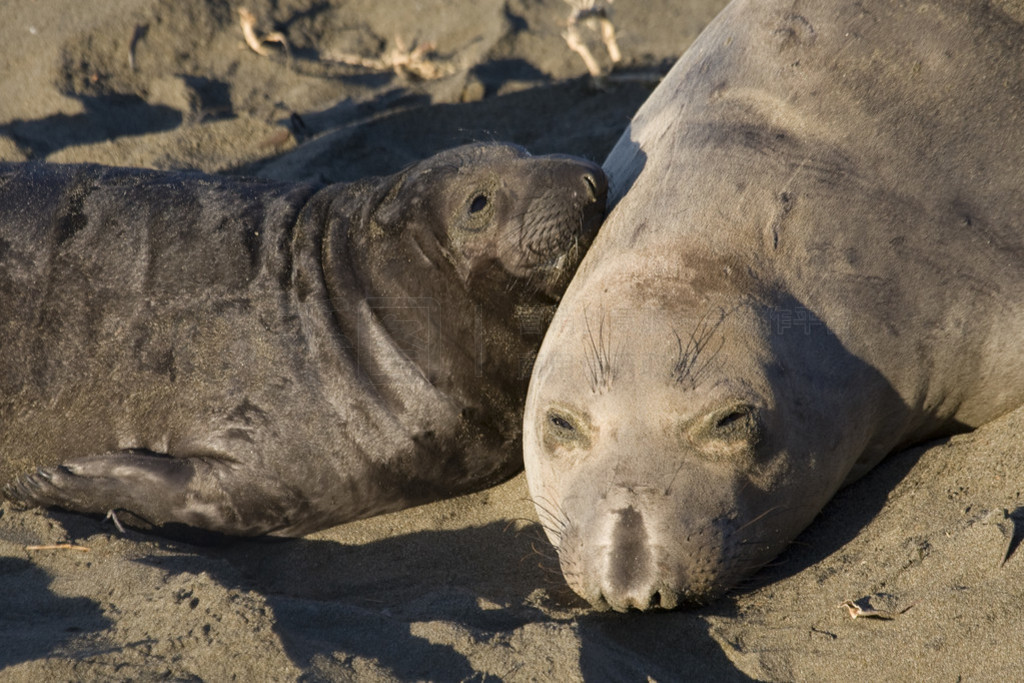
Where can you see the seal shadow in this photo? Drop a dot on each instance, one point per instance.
(105, 117)
(653, 646)
(331, 600)
(354, 141)
(842, 518)
(35, 622)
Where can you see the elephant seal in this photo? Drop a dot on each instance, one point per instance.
(242, 357)
(815, 257)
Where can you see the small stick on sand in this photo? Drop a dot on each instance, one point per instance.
(862, 609)
(255, 42)
(608, 37)
(403, 59)
(59, 546)
(138, 34)
(112, 516)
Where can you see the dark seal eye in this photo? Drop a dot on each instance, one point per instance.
(737, 423)
(732, 420)
(478, 204)
(561, 423)
(732, 432)
(562, 433)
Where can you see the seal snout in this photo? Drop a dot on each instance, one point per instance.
(586, 180)
(633, 576)
(634, 557)
(630, 562)
(595, 182)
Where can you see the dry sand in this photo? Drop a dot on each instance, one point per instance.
(465, 589)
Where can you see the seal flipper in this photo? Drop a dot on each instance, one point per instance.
(159, 490)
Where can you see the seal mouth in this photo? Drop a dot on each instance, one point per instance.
(553, 245)
(554, 274)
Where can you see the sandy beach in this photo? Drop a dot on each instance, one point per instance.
(466, 589)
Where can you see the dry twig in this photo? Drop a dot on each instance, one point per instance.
(255, 41)
(585, 12)
(59, 546)
(112, 516)
(863, 608)
(403, 59)
(138, 34)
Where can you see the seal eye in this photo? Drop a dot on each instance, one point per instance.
(736, 423)
(728, 432)
(478, 204)
(728, 421)
(561, 423)
(561, 433)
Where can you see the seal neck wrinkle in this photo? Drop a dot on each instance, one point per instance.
(390, 316)
(455, 338)
(319, 304)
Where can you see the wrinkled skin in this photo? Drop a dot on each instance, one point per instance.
(816, 257)
(207, 354)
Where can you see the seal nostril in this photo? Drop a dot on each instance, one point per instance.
(593, 186)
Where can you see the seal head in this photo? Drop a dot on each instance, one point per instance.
(503, 215)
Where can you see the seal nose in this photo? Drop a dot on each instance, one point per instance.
(630, 558)
(630, 569)
(595, 193)
(596, 183)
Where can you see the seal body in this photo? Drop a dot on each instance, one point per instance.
(816, 257)
(244, 357)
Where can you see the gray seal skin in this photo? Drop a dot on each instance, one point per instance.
(235, 356)
(815, 257)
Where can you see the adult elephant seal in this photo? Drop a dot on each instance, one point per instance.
(818, 258)
(247, 358)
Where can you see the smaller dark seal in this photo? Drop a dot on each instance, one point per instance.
(248, 358)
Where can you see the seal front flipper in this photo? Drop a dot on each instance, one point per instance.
(159, 490)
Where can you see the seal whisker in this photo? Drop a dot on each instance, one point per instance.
(551, 509)
(599, 356)
(692, 361)
(555, 520)
(760, 517)
(547, 555)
